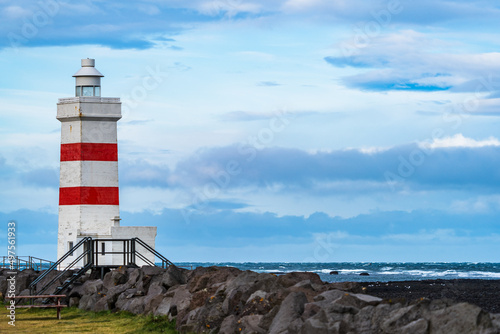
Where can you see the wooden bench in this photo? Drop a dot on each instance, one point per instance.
(58, 306)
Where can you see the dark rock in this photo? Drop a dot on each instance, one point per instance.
(329, 295)
(152, 270)
(293, 278)
(230, 325)
(250, 324)
(401, 317)
(92, 287)
(174, 276)
(419, 326)
(206, 277)
(180, 302)
(460, 318)
(134, 274)
(115, 277)
(108, 300)
(151, 303)
(25, 292)
(87, 302)
(291, 308)
(227, 300)
(74, 301)
(268, 317)
(136, 305)
(164, 306)
(334, 272)
(257, 295)
(316, 325)
(364, 274)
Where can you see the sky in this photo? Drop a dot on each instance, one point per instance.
(268, 131)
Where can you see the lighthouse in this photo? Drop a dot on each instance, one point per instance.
(89, 189)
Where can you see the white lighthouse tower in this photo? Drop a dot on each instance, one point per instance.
(89, 193)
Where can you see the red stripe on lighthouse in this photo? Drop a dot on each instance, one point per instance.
(88, 196)
(89, 152)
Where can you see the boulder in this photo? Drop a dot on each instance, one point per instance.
(317, 324)
(88, 301)
(314, 326)
(329, 295)
(92, 287)
(115, 277)
(136, 305)
(230, 325)
(293, 278)
(180, 301)
(108, 300)
(460, 318)
(134, 275)
(173, 276)
(259, 294)
(163, 307)
(74, 301)
(419, 326)
(250, 324)
(152, 270)
(153, 298)
(495, 319)
(400, 318)
(205, 277)
(291, 308)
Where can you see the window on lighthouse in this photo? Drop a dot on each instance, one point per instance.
(88, 91)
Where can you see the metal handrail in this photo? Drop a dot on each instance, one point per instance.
(20, 263)
(145, 259)
(62, 272)
(165, 262)
(54, 266)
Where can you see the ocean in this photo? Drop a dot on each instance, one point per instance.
(377, 271)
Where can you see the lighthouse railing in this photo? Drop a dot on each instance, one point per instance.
(84, 241)
(164, 261)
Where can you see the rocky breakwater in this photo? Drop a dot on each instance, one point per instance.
(228, 300)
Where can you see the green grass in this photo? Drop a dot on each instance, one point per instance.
(78, 321)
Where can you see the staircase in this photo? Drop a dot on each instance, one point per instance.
(87, 250)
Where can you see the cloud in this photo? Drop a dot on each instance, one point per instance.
(67, 24)
(391, 80)
(42, 177)
(459, 140)
(425, 13)
(143, 174)
(353, 61)
(244, 116)
(445, 163)
(268, 84)
(414, 61)
(366, 237)
(220, 205)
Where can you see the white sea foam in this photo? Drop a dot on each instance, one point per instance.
(479, 274)
(391, 272)
(350, 271)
